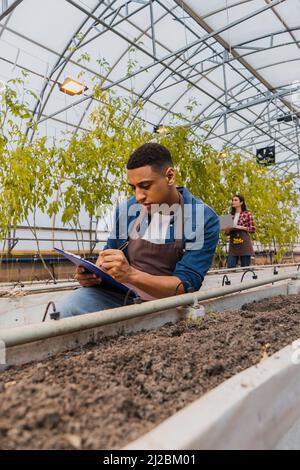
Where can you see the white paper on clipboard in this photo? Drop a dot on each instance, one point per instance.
(226, 221)
(106, 278)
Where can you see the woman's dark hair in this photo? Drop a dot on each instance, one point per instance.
(243, 204)
(155, 155)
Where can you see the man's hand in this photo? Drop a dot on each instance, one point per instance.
(114, 262)
(116, 265)
(85, 278)
(227, 230)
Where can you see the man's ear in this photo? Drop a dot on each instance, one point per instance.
(171, 175)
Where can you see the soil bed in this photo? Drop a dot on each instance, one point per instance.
(106, 395)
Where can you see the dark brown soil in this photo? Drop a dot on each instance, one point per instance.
(108, 394)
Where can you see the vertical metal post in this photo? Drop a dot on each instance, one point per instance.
(91, 235)
(298, 144)
(225, 58)
(152, 28)
(9, 241)
(4, 5)
(269, 119)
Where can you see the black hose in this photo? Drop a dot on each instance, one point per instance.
(137, 299)
(189, 289)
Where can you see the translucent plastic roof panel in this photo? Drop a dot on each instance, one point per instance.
(238, 60)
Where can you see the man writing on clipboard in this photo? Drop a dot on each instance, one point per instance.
(162, 243)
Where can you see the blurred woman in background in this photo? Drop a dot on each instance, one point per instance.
(240, 245)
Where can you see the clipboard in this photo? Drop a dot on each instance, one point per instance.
(106, 278)
(226, 221)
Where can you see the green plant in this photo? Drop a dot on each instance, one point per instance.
(87, 169)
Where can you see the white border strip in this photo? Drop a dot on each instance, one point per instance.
(45, 348)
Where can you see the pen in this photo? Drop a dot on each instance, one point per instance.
(123, 246)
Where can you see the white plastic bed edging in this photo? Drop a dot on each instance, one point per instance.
(253, 410)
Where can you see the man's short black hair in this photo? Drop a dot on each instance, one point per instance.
(155, 155)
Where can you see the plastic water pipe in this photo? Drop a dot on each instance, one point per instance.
(34, 332)
(257, 267)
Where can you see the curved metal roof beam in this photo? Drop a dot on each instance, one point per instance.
(181, 50)
(266, 36)
(3, 27)
(66, 60)
(223, 93)
(226, 46)
(120, 58)
(72, 62)
(216, 136)
(10, 9)
(253, 126)
(163, 80)
(238, 133)
(147, 53)
(278, 63)
(257, 50)
(193, 84)
(260, 130)
(229, 7)
(143, 33)
(213, 68)
(268, 2)
(199, 50)
(116, 13)
(106, 77)
(190, 69)
(53, 81)
(264, 132)
(81, 66)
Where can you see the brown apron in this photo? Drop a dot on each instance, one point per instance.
(240, 243)
(153, 258)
